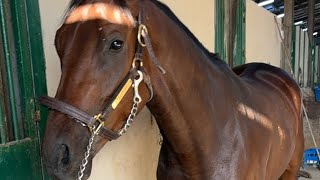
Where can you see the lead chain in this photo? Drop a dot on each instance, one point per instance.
(129, 121)
(131, 117)
(133, 113)
(85, 159)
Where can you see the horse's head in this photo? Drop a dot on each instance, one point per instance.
(101, 62)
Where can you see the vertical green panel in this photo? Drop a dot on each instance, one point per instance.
(3, 8)
(4, 100)
(239, 41)
(24, 64)
(240, 34)
(219, 28)
(38, 64)
(38, 60)
(21, 159)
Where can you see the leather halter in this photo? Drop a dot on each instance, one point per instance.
(96, 123)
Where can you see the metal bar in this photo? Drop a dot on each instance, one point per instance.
(299, 55)
(293, 60)
(313, 65)
(8, 59)
(311, 4)
(318, 65)
(304, 55)
(315, 62)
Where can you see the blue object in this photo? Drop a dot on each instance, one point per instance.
(317, 92)
(310, 157)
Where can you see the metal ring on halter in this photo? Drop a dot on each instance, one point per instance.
(135, 60)
(142, 28)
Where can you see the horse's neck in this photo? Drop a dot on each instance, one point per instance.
(181, 105)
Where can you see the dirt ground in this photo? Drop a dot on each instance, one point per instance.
(312, 108)
(315, 173)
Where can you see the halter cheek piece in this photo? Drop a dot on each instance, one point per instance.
(135, 76)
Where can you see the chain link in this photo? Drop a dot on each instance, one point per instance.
(85, 159)
(136, 101)
(131, 117)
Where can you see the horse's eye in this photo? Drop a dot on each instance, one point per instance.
(116, 45)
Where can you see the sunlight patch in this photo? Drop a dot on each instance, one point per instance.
(282, 135)
(255, 116)
(101, 11)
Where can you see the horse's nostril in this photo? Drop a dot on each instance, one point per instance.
(65, 155)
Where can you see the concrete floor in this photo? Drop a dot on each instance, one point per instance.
(315, 173)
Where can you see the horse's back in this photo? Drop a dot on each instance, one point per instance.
(272, 92)
(275, 99)
(274, 78)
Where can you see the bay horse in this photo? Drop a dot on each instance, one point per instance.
(118, 56)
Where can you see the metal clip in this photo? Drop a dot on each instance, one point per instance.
(136, 82)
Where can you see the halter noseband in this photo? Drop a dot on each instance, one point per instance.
(133, 79)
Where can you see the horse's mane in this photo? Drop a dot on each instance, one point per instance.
(75, 3)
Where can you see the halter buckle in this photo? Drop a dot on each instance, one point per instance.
(96, 129)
